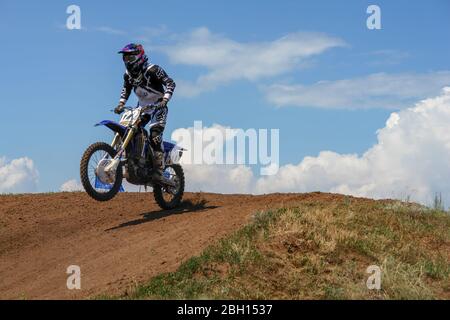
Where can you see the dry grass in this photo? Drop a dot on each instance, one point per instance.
(321, 250)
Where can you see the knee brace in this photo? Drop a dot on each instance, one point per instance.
(156, 138)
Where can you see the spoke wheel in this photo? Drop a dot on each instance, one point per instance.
(99, 185)
(170, 197)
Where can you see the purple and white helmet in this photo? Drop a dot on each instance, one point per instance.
(134, 58)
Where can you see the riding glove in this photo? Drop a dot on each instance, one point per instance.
(119, 108)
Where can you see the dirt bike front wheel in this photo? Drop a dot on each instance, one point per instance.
(97, 183)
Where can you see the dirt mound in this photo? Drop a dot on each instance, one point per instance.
(320, 250)
(117, 244)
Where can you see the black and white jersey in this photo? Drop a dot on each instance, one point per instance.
(150, 86)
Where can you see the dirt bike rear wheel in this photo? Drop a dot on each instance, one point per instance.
(86, 175)
(169, 197)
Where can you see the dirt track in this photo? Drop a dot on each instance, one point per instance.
(117, 244)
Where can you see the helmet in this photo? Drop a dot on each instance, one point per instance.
(134, 58)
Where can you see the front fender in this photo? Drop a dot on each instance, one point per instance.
(114, 126)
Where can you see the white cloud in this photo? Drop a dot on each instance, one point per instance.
(234, 147)
(111, 31)
(218, 178)
(410, 159)
(18, 175)
(227, 60)
(381, 90)
(386, 57)
(71, 186)
(148, 34)
(233, 178)
(128, 187)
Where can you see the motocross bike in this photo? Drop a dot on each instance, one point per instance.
(130, 156)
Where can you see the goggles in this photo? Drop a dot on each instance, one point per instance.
(130, 58)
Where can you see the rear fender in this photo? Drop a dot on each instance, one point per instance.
(172, 152)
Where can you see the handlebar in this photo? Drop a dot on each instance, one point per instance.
(149, 107)
(144, 108)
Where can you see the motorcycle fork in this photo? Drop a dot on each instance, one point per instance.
(128, 137)
(115, 162)
(116, 140)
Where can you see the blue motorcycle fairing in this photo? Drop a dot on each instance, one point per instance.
(114, 126)
(101, 185)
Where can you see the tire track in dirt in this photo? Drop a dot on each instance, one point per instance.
(117, 243)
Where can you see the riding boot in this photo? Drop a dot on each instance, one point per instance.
(159, 166)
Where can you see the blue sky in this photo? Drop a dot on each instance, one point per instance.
(56, 83)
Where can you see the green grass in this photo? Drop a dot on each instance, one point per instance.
(320, 250)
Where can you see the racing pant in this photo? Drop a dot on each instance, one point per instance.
(156, 132)
(155, 135)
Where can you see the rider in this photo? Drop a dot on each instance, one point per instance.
(152, 85)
